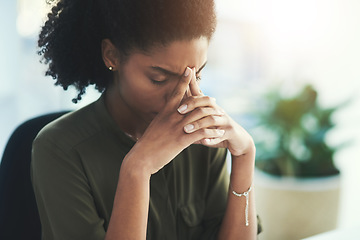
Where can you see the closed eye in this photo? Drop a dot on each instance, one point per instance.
(156, 82)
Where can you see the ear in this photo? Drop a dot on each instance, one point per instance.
(109, 54)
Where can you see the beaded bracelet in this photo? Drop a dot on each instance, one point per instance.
(246, 194)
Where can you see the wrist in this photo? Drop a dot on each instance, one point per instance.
(242, 167)
(134, 167)
(247, 152)
(242, 145)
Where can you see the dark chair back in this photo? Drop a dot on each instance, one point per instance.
(19, 218)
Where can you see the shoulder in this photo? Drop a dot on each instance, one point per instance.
(71, 128)
(57, 145)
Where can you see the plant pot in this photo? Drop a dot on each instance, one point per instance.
(294, 208)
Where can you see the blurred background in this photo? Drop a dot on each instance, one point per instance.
(258, 44)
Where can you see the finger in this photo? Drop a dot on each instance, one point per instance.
(194, 102)
(180, 89)
(194, 86)
(207, 133)
(211, 141)
(211, 121)
(203, 118)
(187, 93)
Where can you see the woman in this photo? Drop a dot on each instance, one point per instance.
(146, 160)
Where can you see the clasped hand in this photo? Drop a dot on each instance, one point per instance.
(189, 117)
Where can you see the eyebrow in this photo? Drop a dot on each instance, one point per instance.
(174, 74)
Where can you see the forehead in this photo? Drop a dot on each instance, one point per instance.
(175, 57)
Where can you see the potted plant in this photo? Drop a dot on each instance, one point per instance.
(296, 179)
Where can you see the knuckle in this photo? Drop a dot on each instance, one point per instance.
(220, 132)
(213, 119)
(200, 112)
(203, 131)
(220, 111)
(197, 125)
(190, 99)
(210, 133)
(217, 140)
(208, 99)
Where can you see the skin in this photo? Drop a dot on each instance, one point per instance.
(166, 116)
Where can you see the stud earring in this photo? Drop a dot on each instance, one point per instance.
(111, 68)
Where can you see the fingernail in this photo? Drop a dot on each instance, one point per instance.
(182, 108)
(221, 132)
(187, 72)
(207, 140)
(189, 128)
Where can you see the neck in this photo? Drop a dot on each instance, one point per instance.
(124, 116)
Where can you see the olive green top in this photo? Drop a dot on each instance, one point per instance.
(75, 170)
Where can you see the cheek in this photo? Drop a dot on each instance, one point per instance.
(143, 95)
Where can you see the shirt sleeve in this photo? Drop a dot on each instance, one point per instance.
(65, 203)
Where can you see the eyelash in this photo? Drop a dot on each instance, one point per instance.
(198, 78)
(158, 82)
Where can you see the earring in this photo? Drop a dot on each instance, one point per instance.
(111, 68)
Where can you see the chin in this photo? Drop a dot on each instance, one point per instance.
(153, 115)
(149, 117)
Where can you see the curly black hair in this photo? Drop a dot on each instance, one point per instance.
(70, 40)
